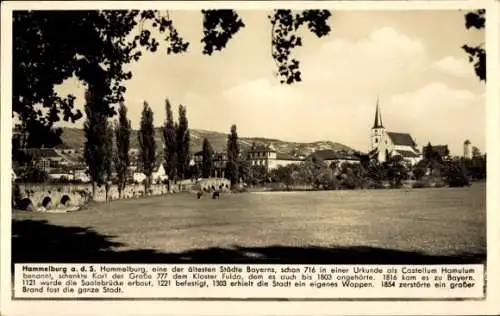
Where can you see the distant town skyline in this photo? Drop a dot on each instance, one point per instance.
(411, 60)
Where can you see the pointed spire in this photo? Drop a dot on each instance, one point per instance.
(378, 117)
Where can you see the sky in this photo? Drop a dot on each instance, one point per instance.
(410, 60)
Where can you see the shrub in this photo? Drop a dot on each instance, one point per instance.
(238, 189)
(456, 175)
(420, 184)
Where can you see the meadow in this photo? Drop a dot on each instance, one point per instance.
(435, 225)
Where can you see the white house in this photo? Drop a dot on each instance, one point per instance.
(159, 175)
(268, 157)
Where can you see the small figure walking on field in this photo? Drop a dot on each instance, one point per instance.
(199, 194)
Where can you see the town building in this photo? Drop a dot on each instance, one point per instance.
(219, 160)
(64, 149)
(46, 159)
(467, 149)
(267, 157)
(330, 156)
(386, 144)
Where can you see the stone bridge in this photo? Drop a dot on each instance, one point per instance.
(64, 195)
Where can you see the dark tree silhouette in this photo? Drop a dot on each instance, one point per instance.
(207, 160)
(477, 53)
(108, 157)
(95, 129)
(182, 143)
(146, 137)
(46, 52)
(233, 152)
(170, 143)
(122, 158)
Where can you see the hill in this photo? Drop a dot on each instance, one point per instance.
(75, 138)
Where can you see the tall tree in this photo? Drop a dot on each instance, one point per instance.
(108, 157)
(122, 158)
(182, 143)
(170, 143)
(477, 53)
(475, 152)
(45, 56)
(95, 130)
(233, 151)
(147, 144)
(207, 168)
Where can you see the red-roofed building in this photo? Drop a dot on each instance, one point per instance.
(385, 144)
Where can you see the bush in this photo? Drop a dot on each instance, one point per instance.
(458, 181)
(420, 184)
(239, 190)
(456, 175)
(34, 174)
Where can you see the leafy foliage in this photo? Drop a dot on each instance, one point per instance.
(170, 143)
(219, 26)
(233, 152)
(258, 175)
(122, 139)
(96, 132)
(108, 152)
(46, 52)
(147, 143)
(244, 169)
(285, 27)
(33, 174)
(477, 53)
(207, 162)
(455, 174)
(396, 171)
(182, 142)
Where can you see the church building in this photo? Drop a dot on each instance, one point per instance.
(385, 144)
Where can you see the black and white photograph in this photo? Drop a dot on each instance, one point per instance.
(300, 136)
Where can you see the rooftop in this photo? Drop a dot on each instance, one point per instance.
(442, 150)
(261, 148)
(401, 139)
(284, 156)
(329, 154)
(44, 153)
(407, 154)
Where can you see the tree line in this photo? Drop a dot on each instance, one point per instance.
(106, 148)
(316, 174)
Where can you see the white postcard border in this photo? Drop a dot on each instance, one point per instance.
(487, 306)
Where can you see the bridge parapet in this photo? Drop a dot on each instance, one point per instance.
(61, 195)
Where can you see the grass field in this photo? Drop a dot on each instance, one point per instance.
(445, 225)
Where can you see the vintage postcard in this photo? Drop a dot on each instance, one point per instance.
(251, 157)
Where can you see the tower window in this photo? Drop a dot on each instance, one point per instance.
(376, 140)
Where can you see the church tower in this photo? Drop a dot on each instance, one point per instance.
(467, 149)
(378, 130)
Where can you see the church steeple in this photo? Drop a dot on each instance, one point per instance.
(378, 117)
